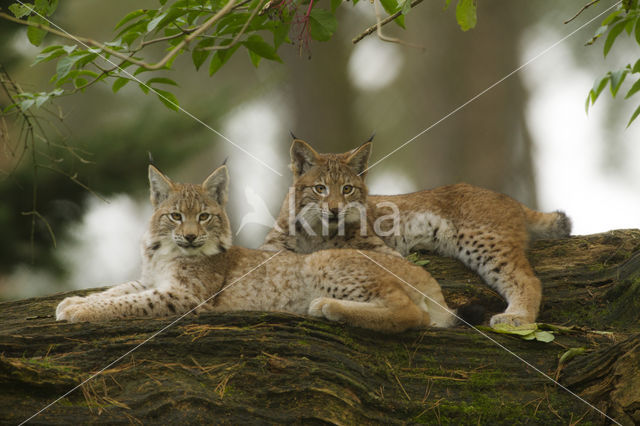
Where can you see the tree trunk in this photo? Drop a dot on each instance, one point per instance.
(257, 367)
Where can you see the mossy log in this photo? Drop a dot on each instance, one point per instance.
(254, 367)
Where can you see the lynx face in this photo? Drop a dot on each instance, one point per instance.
(188, 219)
(329, 189)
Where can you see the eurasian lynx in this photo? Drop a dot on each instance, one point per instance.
(487, 231)
(188, 262)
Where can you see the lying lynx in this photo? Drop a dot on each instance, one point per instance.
(487, 231)
(188, 262)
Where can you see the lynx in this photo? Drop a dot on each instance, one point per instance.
(189, 262)
(489, 232)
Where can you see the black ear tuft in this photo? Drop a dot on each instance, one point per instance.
(373, 135)
(472, 313)
(160, 186)
(292, 135)
(151, 161)
(359, 158)
(217, 185)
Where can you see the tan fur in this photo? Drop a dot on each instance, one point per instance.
(187, 261)
(487, 231)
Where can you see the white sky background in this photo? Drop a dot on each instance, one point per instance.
(568, 162)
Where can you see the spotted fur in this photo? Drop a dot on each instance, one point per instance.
(188, 262)
(489, 232)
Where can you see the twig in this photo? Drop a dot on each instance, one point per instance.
(386, 38)
(242, 30)
(385, 21)
(585, 7)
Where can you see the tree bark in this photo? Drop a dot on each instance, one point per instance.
(256, 367)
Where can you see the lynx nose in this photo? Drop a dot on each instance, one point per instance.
(190, 237)
(334, 211)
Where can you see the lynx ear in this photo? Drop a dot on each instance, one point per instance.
(359, 158)
(303, 157)
(217, 185)
(160, 186)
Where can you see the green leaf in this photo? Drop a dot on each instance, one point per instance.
(322, 24)
(255, 58)
(199, 55)
(129, 16)
(598, 87)
(335, 4)
(257, 45)
(21, 10)
(168, 99)
(637, 32)
(48, 54)
(617, 78)
(36, 35)
(636, 67)
(544, 336)
(155, 21)
(220, 57)
(119, 83)
(613, 17)
(280, 33)
(466, 14)
(615, 32)
(634, 89)
(521, 330)
(634, 116)
(65, 65)
(406, 7)
(161, 80)
(391, 7)
(46, 7)
(26, 104)
(570, 354)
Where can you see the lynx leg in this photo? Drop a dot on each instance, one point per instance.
(517, 283)
(146, 303)
(433, 303)
(369, 315)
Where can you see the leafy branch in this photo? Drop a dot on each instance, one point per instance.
(624, 19)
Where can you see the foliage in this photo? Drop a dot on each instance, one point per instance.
(624, 19)
(526, 332)
(210, 30)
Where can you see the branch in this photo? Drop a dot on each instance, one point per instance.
(385, 21)
(160, 64)
(585, 7)
(237, 37)
(386, 38)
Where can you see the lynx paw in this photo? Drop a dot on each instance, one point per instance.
(76, 311)
(66, 303)
(323, 307)
(511, 319)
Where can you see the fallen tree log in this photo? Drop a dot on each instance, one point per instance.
(253, 367)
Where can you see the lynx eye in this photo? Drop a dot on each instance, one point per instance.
(203, 217)
(176, 216)
(320, 189)
(347, 189)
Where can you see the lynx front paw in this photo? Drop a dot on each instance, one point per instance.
(77, 311)
(66, 303)
(324, 307)
(511, 319)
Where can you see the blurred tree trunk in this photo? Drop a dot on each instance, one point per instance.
(255, 367)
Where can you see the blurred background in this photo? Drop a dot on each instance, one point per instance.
(528, 136)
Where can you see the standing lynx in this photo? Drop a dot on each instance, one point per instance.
(188, 262)
(487, 231)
